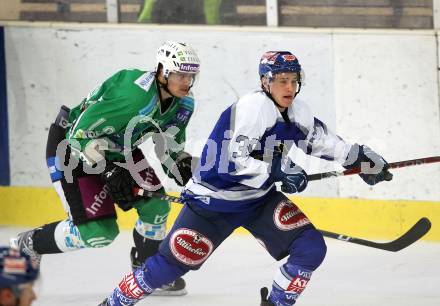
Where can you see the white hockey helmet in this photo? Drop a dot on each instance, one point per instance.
(177, 57)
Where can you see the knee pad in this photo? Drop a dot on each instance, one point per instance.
(308, 249)
(158, 271)
(99, 233)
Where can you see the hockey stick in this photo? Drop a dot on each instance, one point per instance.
(399, 164)
(416, 232)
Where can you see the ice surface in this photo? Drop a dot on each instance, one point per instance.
(350, 275)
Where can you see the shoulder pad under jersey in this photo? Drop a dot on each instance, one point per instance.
(258, 103)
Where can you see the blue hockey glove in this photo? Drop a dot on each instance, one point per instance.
(377, 168)
(294, 178)
(293, 183)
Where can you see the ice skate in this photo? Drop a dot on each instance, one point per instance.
(264, 292)
(24, 243)
(176, 288)
(104, 303)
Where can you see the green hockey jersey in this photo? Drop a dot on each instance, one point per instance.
(123, 112)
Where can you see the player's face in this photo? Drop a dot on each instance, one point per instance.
(180, 83)
(283, 88)
(7, 297)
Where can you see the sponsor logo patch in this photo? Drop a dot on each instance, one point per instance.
(291, 296)
(119, 298)
(145, 81)
(306, 274)
(139, 275)
(13, 265)
(287, 216)
(190, 247)
(297, 285)
(189, 67)
(289, 57)
(268, 58)
(183, 115)
(99, 200)
(130, 288)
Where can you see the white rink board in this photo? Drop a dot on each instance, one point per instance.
(47, 67)
(385, 100)
(351, 275)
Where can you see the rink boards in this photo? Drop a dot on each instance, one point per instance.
(361, 82)
(380, 219)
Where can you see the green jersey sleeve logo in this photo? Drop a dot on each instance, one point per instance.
(145, 81)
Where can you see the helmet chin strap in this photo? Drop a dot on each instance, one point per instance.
(161, 85)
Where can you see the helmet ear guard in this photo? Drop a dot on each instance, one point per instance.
(159, 67)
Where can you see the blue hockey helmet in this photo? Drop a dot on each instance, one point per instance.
(273, 62)
(15, 268)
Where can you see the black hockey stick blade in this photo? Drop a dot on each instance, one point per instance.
(412, 235)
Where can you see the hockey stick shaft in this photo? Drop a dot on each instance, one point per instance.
(394, 165)
(416, 232)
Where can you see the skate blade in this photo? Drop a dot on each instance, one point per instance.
(169, 292)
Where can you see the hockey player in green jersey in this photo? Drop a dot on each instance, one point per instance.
(94, 160)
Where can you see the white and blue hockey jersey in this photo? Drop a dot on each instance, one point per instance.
(233, 173)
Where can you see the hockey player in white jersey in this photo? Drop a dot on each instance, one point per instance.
(234, 186)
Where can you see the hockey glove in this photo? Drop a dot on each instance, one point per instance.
(293, 183)
(376, 169)
(182, 170)
(294, 178)
(120, 183)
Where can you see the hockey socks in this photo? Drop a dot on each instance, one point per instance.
(288, 283)
(44, 239)
(143, 249)
(307, 252)
(130, 290)
(135, 286)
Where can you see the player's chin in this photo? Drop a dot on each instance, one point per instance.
(287, 101)
(181, 93)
